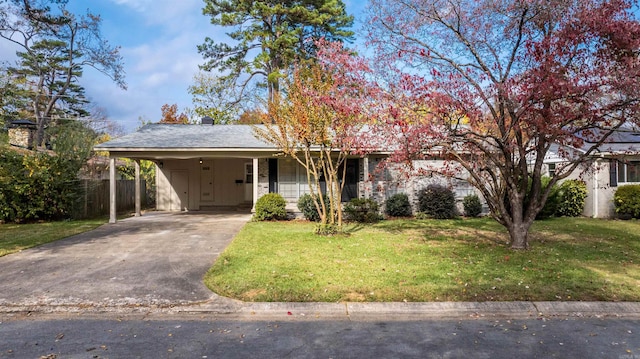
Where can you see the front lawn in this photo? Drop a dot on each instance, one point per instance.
(16, 237)
(431, 260)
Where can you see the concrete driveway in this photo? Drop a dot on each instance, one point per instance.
(157, 259)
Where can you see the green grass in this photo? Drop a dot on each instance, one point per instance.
(430, 260)
(16, 237)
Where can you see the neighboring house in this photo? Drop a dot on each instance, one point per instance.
(22, 133)
(204, 167)
(615, 163)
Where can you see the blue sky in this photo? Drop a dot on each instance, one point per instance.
(158, 40)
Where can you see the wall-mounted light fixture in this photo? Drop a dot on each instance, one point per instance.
(160, 164)
(200, 160)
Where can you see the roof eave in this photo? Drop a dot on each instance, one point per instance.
(182, 149)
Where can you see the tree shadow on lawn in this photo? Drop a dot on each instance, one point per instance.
(598, 233)
(400, 225)
(473, 230)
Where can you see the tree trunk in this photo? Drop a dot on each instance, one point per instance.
(519, 235)
(39, 139)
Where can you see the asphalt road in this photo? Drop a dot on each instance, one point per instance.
(223, 337)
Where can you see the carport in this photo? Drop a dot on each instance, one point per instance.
(198, 167)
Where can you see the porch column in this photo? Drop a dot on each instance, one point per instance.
(137, 167)
(255, 184)
(112, 190)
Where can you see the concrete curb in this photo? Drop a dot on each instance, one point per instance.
(618, 309)
(433, 310)
(220, 306)
(405, 311)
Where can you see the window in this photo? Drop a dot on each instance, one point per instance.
(552, 169)
(629, 172)
(248, 173)
(463, 188)
(292, 179)
(293, 183)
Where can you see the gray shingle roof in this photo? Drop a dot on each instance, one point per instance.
(621, 141)
(166, 136)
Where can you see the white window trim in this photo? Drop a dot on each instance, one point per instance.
(248, 173)
(297, 178)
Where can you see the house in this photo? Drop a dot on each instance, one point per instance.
(615, 163)
(22, 134)
(206, 167)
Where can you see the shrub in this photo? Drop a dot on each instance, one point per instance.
(398, 206)
(437, 201)
(571, 196)
(308, 207)
(362, 210)
(270, 207)
(472, 205)
(37, 187)
(627, 201)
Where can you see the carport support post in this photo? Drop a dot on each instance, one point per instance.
(112, 190)
(255, 183)
(137, 167)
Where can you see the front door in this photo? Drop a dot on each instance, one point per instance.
(248, 182)
(206, 182)
(180, 190)
(350, 189)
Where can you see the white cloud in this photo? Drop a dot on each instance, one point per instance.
(160, 58)
(139, 5)
(160, 67)
(171, 14)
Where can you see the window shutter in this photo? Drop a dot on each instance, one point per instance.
(273, 174)
(613, 173)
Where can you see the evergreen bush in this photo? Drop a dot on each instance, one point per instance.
(627, 201)
(571, 197)
(398, 206)
(270, 207)
(362, 210)
(437, 201)
(472, 205)
(308, 207)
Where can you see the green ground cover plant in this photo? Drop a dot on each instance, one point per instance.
(16, 237)
(432, 260)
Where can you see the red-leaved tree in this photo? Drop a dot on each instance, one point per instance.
(494, 86)
(318, 120)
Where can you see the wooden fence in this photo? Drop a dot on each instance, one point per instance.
(95, 199)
